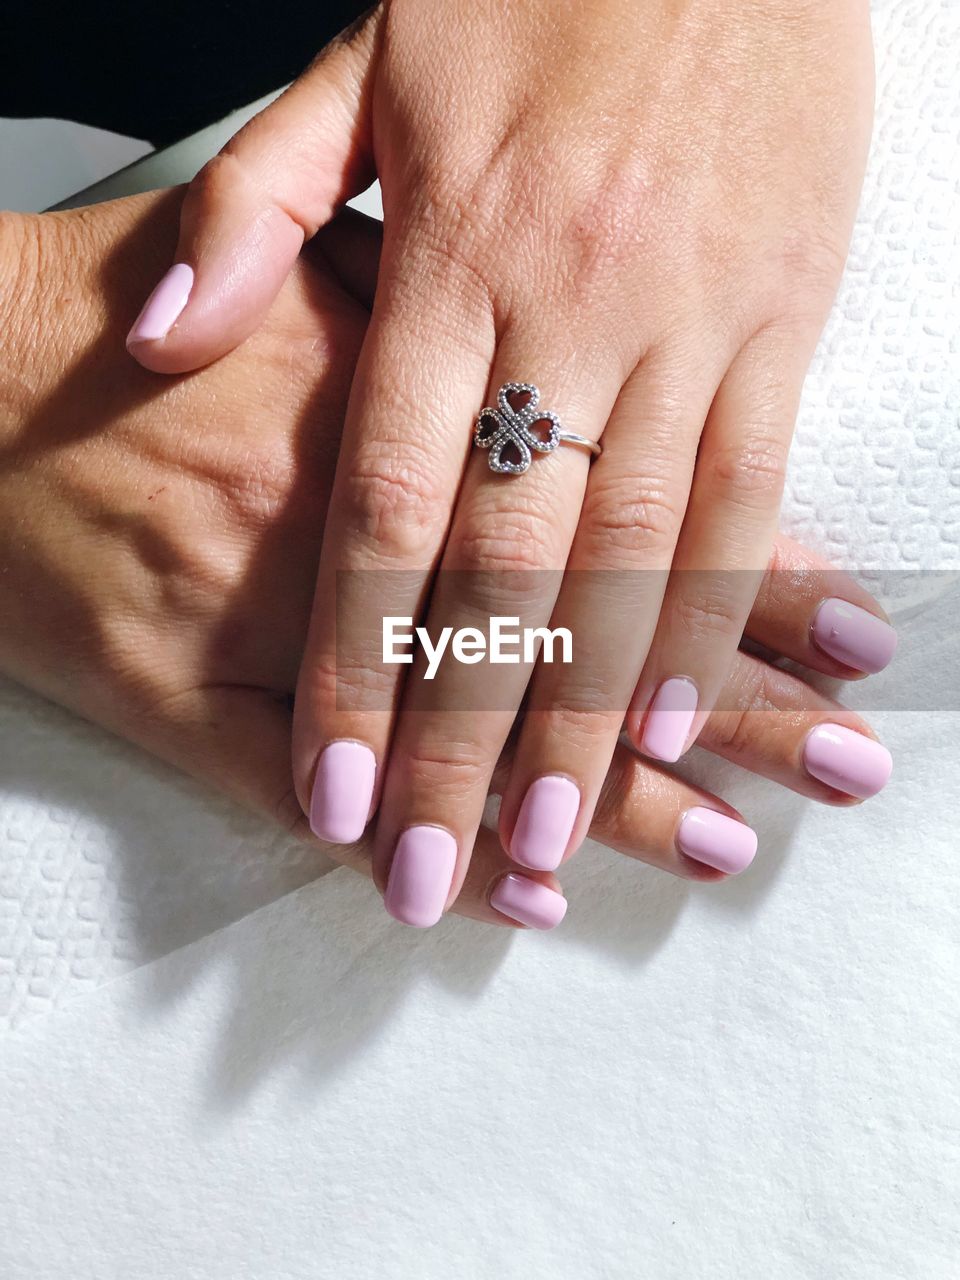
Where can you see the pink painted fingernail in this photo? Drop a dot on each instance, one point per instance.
(342, 792)
(529, 902)
(716, 840)
(544, 823)
(848, 761)
(669, 719)
(853, 636)
(164, 305)
(420, 876)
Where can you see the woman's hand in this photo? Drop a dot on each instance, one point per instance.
(158, 544)
(644, 209)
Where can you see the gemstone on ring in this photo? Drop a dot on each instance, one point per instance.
(509, 429)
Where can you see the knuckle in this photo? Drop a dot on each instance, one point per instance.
(704, 613)
(612, 219)
(749, 473)
(813, 257)
(584, 718)
(447, 769)
(393, 505)
(635, 518)
(450, 209)
(217, 182)
(733, 728)
(516, 541)
(352, 684)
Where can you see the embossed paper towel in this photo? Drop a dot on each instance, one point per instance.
(753, 1082)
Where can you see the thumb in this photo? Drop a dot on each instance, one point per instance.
(248, 212)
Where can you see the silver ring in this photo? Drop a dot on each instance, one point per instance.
(505, 428)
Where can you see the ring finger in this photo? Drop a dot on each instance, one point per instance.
(610, 599)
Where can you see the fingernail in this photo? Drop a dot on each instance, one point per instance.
(420, 876)
(528, 902)
(853, 636)
(847, 761)
(164, 305)
(342, 792)
(544, 823)
(716, 840)
(669, 719)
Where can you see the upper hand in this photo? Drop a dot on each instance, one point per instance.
(643, 208)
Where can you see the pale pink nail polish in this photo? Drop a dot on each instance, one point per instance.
(670, 719)
(161, 309)
(545, 823)
(716, 840)
(848, 761)
(342, 792)
(528, 902)
(421, 875)
(853, 636)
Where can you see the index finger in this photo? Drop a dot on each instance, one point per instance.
(418, 384)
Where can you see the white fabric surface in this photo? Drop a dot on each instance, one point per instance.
(756, 1079)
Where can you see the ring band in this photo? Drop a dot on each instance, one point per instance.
(506, 428)
(571, 437)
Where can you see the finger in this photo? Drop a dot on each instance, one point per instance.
(247, 213)
(771, 723)
(507, 548)
(238, 740)
(648, 814)
(609, 600)
(724, 545)
(774, 724)
(642, 812)
(808, 611)
(418, 384)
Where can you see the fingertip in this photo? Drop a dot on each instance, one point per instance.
(850, 762)
(230, 267)
(665, 731)
(160, 312)
(717, 840)
(853, 636)
(529, 902)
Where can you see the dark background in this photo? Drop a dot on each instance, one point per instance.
(156, 71)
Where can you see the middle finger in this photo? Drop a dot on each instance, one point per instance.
(505, 555)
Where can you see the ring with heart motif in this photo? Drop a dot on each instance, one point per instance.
(509, 430)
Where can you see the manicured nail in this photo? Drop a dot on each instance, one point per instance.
(420, 876)
(342, 792)
(669, 719)
(853, 636)
(847, 761)
(164, 305)
(544, 823)
(716, 840)
(528, 902)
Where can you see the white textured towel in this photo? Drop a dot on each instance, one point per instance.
(755, 1079)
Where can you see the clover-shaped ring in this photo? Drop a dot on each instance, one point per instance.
(510, 433)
